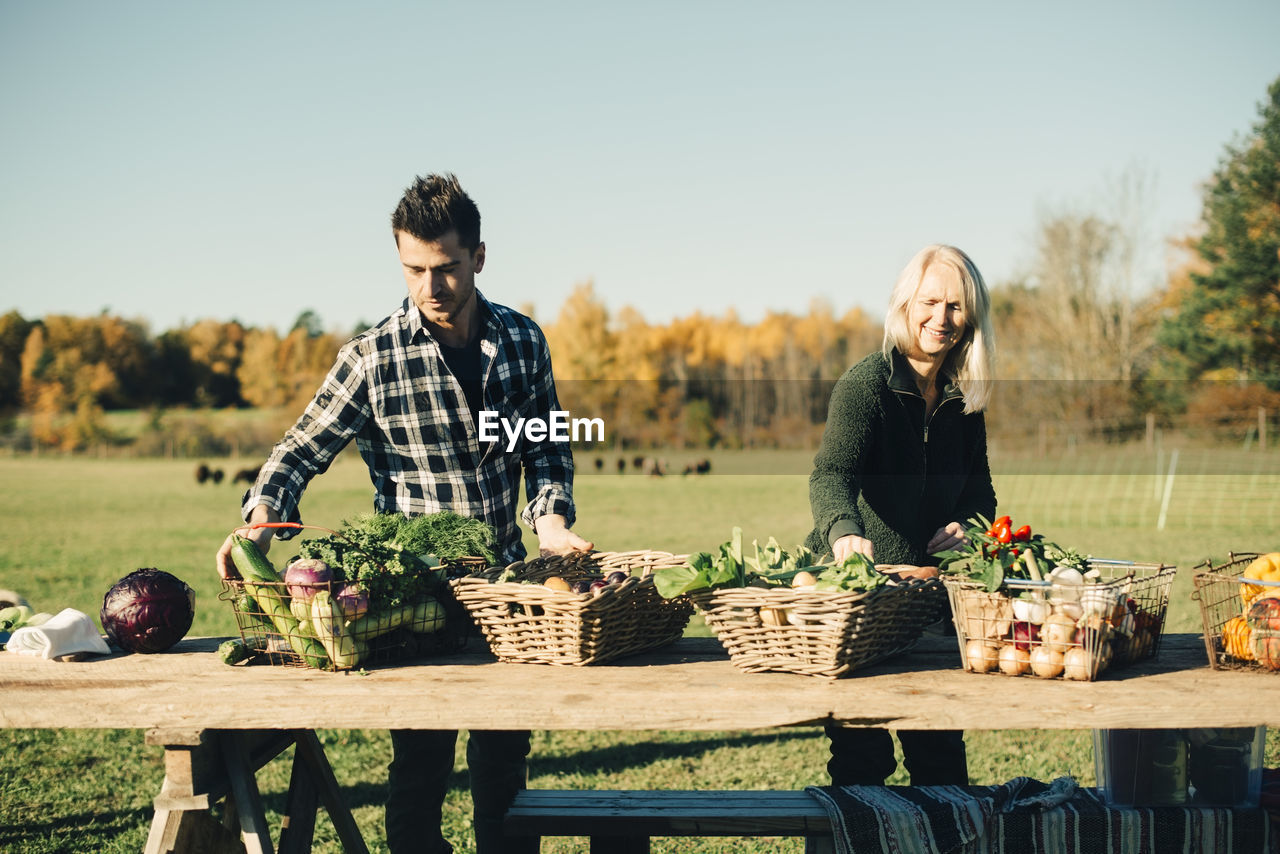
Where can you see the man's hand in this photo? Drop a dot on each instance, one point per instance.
(555, 538)
(849, 544)
(262, 536)
(946, 538)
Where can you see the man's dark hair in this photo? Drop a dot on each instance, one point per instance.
(435, 205)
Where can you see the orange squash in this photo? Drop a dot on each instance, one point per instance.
(1264, 568)
(1235, 639)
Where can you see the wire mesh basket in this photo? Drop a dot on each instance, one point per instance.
(286, 624)
(827, 633)
(1056, 630)
(526, 621)
(1236, 638)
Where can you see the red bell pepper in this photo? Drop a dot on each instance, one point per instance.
(1003, 521)
(1003, 534)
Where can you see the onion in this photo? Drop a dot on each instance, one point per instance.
(1031, 610)
(980, 656)
(1097, 601)
(1025, 635)
(1046, 663)
(1077, 664)
(1014, 660)
(1058, 632)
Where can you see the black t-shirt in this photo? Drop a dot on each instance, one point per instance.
(466, 363)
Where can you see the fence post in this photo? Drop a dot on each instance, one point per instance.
(1168, 490)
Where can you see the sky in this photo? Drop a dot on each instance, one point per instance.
(170, 162)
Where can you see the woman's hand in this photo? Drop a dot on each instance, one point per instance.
(946, 538)
(849, 544)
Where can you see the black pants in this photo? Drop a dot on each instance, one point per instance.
(864, 757)
(421, 763)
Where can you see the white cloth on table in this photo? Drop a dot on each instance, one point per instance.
(65, 633)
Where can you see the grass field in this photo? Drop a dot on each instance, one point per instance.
(75, 526)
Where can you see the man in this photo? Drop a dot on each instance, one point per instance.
(410, 392)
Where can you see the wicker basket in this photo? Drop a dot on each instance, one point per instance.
(417, 637)
(819, 632)
(1114, 622)
(526, 622)
(1217, 589)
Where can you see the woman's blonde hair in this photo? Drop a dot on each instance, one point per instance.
(971, 362)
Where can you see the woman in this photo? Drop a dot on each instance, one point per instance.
(903, 465)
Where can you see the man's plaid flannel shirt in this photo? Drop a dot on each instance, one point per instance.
(390, 390)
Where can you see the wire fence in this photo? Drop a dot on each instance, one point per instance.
(1180, 488)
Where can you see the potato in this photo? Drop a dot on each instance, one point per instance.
(773, 616)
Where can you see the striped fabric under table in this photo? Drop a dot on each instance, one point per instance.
(1026, 815)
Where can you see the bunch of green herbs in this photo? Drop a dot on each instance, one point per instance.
(769, 565)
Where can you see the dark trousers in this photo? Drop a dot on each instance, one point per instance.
(418, 778)
(864, 757)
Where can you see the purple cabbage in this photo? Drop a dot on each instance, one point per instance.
(148, 610)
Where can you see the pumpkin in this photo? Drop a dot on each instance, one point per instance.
(1266, 649)
(1235, 639)
(1264, 613)
(1265, 568)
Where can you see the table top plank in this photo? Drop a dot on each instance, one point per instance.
(690, 685)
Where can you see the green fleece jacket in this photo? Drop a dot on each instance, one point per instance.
(886, 473)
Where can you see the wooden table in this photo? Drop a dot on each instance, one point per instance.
(187, 700)
(690, 685)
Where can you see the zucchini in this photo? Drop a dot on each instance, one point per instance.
(260, 579)
(248, 606)
(236, 650)
(424, 617)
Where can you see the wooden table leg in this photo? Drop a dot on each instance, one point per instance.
(308, 747)
(244, 787)
(204, 766)
(298, 829)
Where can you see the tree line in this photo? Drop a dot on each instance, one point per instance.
(1079, 336)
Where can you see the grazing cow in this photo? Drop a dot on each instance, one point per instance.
(599, 464)
(622, 466)
(637, 463)
(216, 475)
(247, 475)
(202, 473)
(699, 467)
